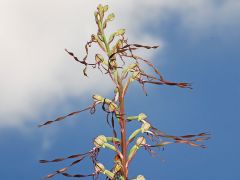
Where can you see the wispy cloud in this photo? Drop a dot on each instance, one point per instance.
(35, 70)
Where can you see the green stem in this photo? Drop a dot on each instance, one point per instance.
(108, 173)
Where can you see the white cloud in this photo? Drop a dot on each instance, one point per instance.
(35, 70)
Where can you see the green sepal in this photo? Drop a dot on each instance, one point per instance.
(109, 146)
(133, 135)
(111, 37)
(95, 38)
(132, 151)
(130, 118)
(108, 173)
(112, 139)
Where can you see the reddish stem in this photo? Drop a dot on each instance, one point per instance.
(123, 130)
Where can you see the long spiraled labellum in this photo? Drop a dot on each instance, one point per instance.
(140, 46)
(65, 169)
(186, 139)
(63, 117)
(78, 175)
(159, 81)
(162, 82)
(92, 154)
(70, 175)
(82, 62)
(56, 172)
(77, 161)
(88, 44)
(63, 158)
(161, 144)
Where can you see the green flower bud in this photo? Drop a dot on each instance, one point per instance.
(105, 8)
(100, 141)
(100, 7)
(140, 141)
(100, 10)
(142, 117)
(120, 32)
(98, 98)
(117, 167)
(140, 177)
(110, 17)
(99, 168)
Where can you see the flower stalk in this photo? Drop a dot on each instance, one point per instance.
(123, 67)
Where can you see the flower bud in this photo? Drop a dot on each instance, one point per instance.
(142, 117)
(99, 168)
(140, 141)
(140, 177)
(110, 17)
(101, 11)
(100, 141)
(97, 98)
(120, 32)
(105, 8)
(100, 7)
(117, 167)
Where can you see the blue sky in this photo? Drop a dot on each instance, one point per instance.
(199, 44)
